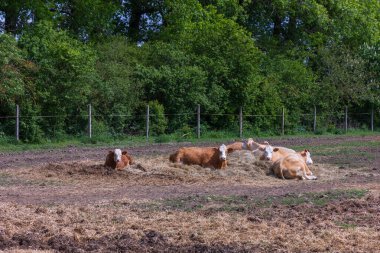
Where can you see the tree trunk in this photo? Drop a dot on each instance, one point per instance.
(277, 26)
(292, 27)
(10, 24)
(134, 24)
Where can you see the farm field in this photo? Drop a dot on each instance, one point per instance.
(66, 200)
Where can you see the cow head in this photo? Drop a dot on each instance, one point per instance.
(117, 155)
(251, 145)
(223, 150)
(307, 156)
(268, 152)
(247, 144)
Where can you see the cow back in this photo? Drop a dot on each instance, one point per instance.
(203, 156)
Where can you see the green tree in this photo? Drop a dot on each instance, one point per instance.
(65, 77)
(86, 19)
(115, 92)
(168, 76)
(138, 19)
(17, 15)
(222, 50)
(17, 86)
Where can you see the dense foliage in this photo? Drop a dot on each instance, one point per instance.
(56, 57)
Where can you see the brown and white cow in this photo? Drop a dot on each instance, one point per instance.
(211, 157)
(273, 154)
(292, 166)
(249, 144)
(118, 159)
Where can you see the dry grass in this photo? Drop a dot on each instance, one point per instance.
(243, 169)
(269, 229)
(102, 224)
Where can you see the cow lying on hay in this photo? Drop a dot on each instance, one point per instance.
(210, 157)
(275, 153)
(292, 167)
(243, 145)
(287, 163)
(118, 159)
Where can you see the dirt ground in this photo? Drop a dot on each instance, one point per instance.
(66, 200)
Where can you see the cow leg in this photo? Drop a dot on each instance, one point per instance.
(308, 177)
(282, 172)
(312, 177)
(299, 174)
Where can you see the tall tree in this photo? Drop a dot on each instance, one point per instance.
(65, 77)
(86, 19)
(18, 86)
(138, 18)
(18, 14)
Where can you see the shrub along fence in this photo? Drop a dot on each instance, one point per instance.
(197, 122)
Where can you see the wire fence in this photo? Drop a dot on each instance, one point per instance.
(195, 123)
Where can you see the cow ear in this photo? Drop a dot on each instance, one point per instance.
(124, 152)
(230, 150)
(276, 149)
(110, 152)
(261, 147)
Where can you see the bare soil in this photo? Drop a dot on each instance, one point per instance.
(66, 200)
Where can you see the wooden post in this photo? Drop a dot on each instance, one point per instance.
(17, 122)
(241, 122)
(346, 120)
(89, 121)
(147, 122)
(199, 121)
(283, 121)
(315, 119)
(372, 118)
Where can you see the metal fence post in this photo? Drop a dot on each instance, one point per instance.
(283, 121)
(17, 122)
(147, 122)
(89, 121)
(315, 119)
(241, 122)
(346, 119)
(199, 121)
(372, 119)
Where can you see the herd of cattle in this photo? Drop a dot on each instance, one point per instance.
(285, 163)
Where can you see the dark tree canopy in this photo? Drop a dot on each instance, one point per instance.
(56, 57)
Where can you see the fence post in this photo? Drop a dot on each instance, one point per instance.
(283, 121)
(372, 119)
(147, 122)
(17, 122)
(89, 121)
(199, 121)
(346, 119)
(315, 119)
(241, 122)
